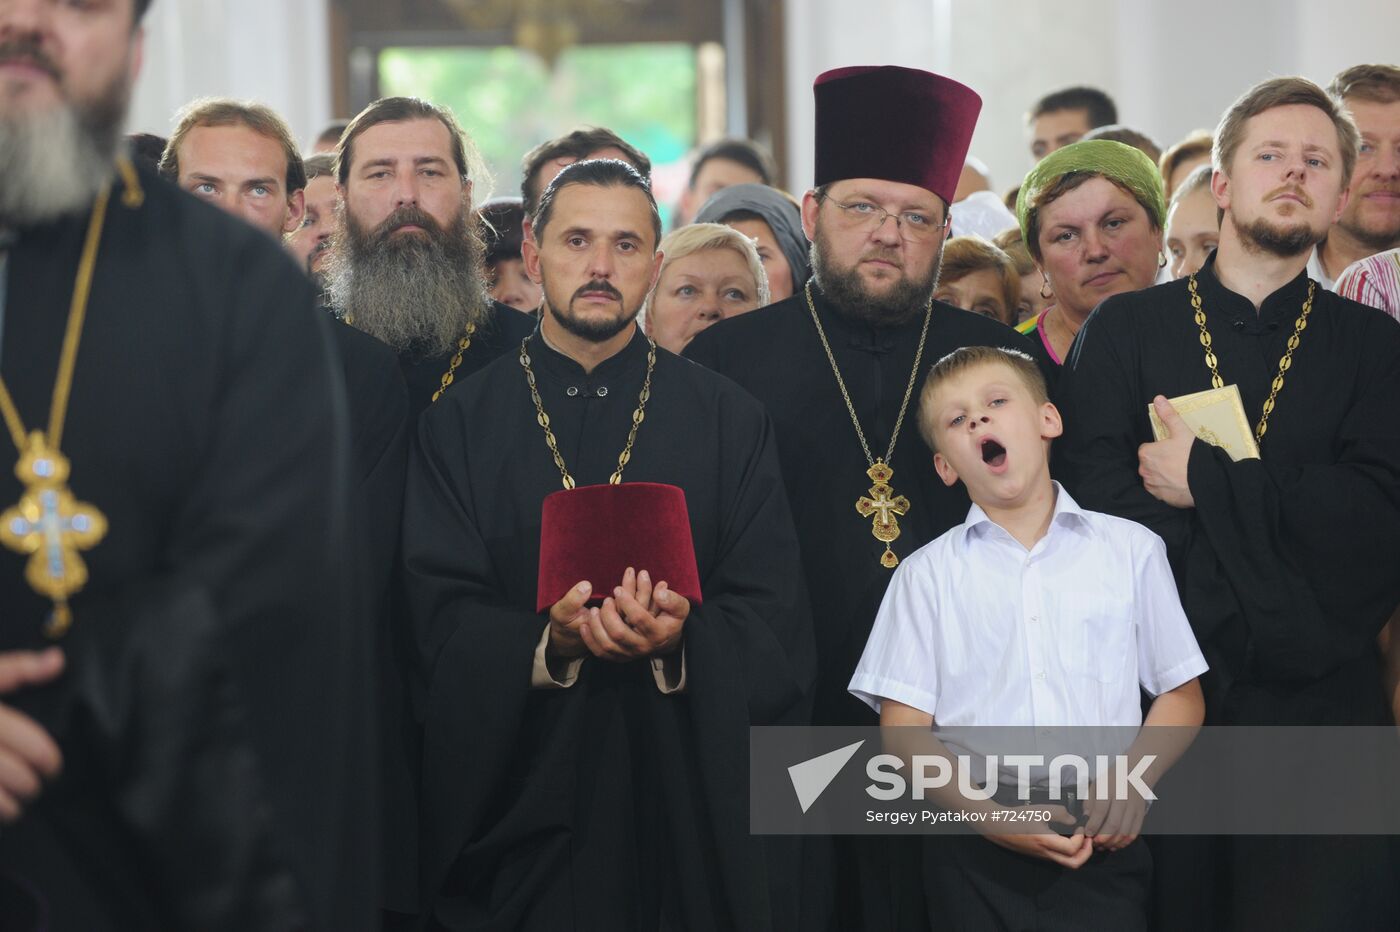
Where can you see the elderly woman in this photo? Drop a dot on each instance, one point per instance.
(710, 272)
(1092, 215)
(772, 219)
(978, 277)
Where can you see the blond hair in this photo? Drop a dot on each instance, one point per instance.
(698, 237)
(223, 111)
(1283, 92)
(1197, 144)
(1011, 242)
(970, 357)
(1198, 180)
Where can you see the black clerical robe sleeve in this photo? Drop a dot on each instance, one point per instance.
(751, 659)
(505, 763)
(1314, 546)
(474, 648)
(753, 631)
(1300, 552)
(1103, 429)
(261, 529)
(1105, 420)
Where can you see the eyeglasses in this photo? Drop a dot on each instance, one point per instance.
(913, 225)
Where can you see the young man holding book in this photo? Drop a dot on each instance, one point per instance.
(1286, 560)
(1032, 613)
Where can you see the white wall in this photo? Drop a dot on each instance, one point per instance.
(273, 51)
(1171, 66)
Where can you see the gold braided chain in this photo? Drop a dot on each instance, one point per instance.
(68, 356)
(841, 383)
(1285, 361)
(542, 419)
(462, 346)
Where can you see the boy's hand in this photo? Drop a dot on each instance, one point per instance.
(1067, 851)
(1113, 824)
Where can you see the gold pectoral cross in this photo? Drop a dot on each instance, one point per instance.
(51, 526)
(883, 508)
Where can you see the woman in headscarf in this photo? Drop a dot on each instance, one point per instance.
(1091, 215)
(774, 221)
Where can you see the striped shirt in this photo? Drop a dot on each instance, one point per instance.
(1374, 281)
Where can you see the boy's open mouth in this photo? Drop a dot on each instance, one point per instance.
(993, 453)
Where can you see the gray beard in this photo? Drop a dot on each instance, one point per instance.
(55, 162)
(849, 296)
(415, 293)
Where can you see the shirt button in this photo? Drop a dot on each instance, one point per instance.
(1040, 675)
(602, 391)
(572, 391)
(1034, 619)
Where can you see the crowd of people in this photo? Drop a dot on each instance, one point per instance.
(383, 558)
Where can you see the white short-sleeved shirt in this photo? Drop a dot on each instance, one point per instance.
(976, 630)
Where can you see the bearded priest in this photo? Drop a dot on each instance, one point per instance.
(837, 365)
(1281, 529)
(192, 747)
(594, 657)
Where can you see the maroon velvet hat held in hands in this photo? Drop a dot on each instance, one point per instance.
(595, 532)
(895, 124)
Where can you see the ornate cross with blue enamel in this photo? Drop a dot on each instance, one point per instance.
(51, 526)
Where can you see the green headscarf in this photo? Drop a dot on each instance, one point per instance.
(1115, 161)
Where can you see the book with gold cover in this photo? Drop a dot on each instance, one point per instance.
(1217, 416)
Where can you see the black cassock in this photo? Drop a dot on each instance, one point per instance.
(375, 394)
(500, 333)
(608, 805)
(214, 717)
(1287, 564)
(380, 427)
(776, 354)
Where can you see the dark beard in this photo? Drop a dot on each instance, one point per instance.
(594, 331)
(416, 293)
(1262, 236)
(849, 296)
(57, 161)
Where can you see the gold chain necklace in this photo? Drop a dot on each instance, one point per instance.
(543, 419)
(1284, 363)
(881, 505)
(48, 523)
(462, 346)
